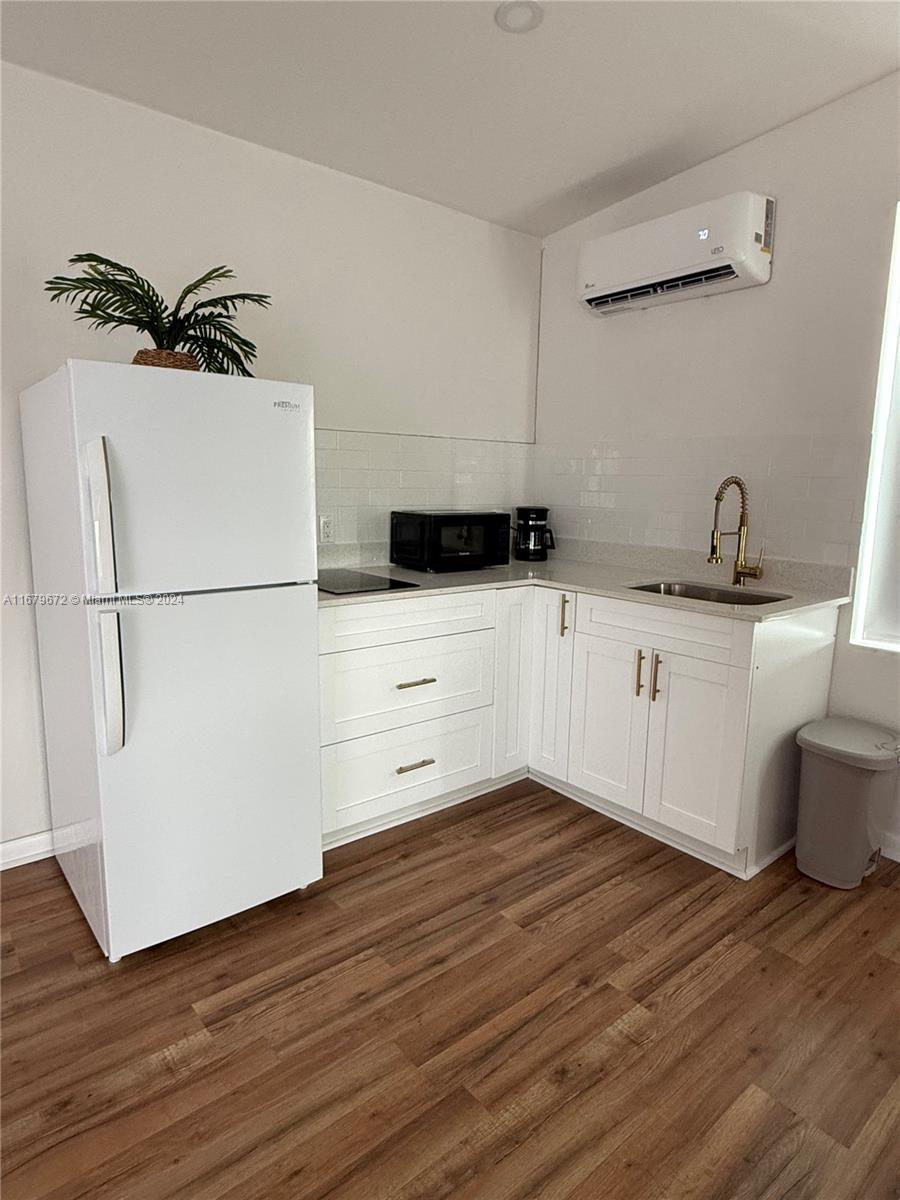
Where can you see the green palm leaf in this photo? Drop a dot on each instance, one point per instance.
(221, 333)
(219, 355)
(232, 303)
(129, 284)
(218, 325)
(213, 275)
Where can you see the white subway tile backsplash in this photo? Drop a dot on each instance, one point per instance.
(388, 460)
(342, 458)
(361, 477)
(347, 525)
(426, 479)
(370, 479)
(397, 497)
(788, 489)
(341, 497)
(806, 492)
(847, 488)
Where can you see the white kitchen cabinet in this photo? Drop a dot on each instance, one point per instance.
(704, 751)
(610, 713)
(512, 687)
(551, 681)
(660, 733)
(526, 681)
(695, 747)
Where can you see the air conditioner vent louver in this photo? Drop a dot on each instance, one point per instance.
(676, 283)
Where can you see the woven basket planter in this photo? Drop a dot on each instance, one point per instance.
(177, 360)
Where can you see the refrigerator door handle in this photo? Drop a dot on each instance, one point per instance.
(113, 686)
(96, 457)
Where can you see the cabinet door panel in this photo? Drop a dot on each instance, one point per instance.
(695, 748)
(608, 742)
(512, 686)
(551, 681)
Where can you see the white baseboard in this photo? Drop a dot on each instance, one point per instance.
(18, 851)
(768, 859)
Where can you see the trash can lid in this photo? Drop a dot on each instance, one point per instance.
(854, 742)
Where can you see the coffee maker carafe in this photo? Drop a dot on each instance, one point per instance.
(533, 538)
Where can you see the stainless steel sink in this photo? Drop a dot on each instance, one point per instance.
(704, 591)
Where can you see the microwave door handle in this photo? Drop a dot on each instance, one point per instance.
(96, 458)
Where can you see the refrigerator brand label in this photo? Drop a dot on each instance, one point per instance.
(288, 405)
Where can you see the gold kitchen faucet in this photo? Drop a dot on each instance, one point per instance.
(742, 569)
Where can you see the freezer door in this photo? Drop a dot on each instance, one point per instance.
(209, 773)
(192, 481)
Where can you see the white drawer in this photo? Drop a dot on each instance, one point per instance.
(368, 691)
(373, 776)
(382, 622)
(701, 635)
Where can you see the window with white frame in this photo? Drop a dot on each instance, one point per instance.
(876, 609)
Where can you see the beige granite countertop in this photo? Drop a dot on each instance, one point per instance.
(597, 579)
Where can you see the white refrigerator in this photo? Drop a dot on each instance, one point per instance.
(172, 526)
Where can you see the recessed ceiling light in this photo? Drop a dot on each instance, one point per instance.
(519, 16)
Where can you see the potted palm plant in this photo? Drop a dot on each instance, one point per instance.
(201, 336)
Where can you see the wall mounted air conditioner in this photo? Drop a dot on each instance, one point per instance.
(714, 247)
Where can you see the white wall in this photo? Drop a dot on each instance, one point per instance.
(407, 317)
(640, 415)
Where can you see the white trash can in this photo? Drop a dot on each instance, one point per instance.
(848, 787)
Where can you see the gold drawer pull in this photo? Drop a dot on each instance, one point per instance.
(654, 676)
(639, 657)
(425, 762)
(416, 683)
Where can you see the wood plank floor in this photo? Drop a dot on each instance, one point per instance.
(514, 998)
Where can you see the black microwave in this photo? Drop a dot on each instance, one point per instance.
(447, 540)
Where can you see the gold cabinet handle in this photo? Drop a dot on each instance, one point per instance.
(563, 601)
(654, 676)
(424, 762)
(416, 683)
(639, 657)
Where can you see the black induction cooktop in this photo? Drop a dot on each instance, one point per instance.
(345, 583)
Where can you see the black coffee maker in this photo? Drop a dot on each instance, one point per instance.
(533, 538)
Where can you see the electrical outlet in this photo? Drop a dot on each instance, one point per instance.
(326, 529)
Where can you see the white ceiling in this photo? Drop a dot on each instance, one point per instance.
(533, 131)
